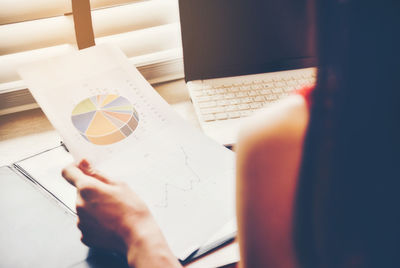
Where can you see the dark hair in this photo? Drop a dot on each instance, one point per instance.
(348, 199)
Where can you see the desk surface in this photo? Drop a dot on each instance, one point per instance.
(26, 133)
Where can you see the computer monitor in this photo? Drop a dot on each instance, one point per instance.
(237, 37)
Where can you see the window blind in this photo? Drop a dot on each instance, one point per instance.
(147, 31)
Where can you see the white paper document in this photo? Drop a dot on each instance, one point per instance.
(107, 113)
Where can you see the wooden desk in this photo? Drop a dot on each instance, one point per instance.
(26, 133)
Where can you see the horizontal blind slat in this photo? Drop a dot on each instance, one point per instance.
(10, 63)
(36, 34)
(42, 33)
(135, 43)
(133, 17)
(12, 11)
(146, 41)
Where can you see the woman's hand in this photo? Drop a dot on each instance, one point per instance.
(111, 216)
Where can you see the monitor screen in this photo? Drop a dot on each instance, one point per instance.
(236, 37)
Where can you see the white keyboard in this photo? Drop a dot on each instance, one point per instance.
(230, 101)
(221, 104)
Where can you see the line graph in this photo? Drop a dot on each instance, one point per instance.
(192, 180)
(170, 172)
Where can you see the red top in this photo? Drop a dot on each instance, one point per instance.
(306, 93)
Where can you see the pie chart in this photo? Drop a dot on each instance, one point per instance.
(105, 119)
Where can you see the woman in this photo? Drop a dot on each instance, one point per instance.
(343, 209)
(314, 189)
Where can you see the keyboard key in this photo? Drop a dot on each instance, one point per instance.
(231, 108)
(220, 109)
(271, 97)
(203, 98)
(241, 94)
(210, 110)
(230, 96)
(255, 105)
(207, 104)
(259, 98)
(208, 118)
(246, 100)
(234, 89)
(277, 90)
(266, 91)
(253, 93)
(277, 79)
(256, 86)
(217, 97)
(209, 92)
(234, 101)
(279, 84)
(297, 76)
(234, 115)
(244, 106)
(302, 81)
(221, 116)
(268, 86)
(222, 103)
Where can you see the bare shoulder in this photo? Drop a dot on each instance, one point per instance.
(284, 122)
(268, 158)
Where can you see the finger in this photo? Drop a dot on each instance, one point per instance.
(86, 241)
(71, 174)
(86, 223)
(75, 176)
(84, 209)
(79, 205)
(88, 230)
(87, 237)
(87, 169)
